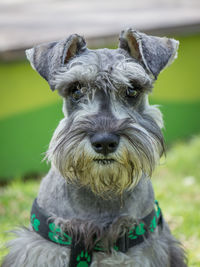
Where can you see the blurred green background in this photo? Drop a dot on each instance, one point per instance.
(30, 112)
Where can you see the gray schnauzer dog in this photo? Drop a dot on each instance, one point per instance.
(96, 205)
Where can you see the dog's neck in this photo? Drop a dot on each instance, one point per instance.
(81, 203)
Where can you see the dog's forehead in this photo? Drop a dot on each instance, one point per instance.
(106, 57)
(100, 66)
(103, 58)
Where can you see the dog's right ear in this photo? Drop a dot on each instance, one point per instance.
(47, 58)
(155, 53)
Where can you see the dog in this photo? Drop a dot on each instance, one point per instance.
(96, 205)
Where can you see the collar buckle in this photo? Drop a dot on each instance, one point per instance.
(123, 243)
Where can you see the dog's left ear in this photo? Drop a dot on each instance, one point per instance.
(155, 53)
(47, 58)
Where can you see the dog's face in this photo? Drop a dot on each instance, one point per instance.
(110, 135)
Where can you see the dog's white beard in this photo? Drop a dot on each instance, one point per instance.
(79, 167)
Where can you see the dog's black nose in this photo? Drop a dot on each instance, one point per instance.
(104, 143)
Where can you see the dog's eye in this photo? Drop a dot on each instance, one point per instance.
(76, 92)
(131, 92)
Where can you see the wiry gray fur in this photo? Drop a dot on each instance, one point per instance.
(85, 196)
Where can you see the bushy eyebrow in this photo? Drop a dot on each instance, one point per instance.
(82, 73)
(127, 72)
(123, 74)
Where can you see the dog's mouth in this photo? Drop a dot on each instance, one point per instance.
(104, 161)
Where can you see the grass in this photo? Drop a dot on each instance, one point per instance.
(176, 182)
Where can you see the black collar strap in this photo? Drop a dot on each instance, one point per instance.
(44, 225)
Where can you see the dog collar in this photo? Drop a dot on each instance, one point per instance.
(44, 225)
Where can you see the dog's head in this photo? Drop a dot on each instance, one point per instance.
(110, 135)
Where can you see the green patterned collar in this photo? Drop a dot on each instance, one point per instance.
(44, 225)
